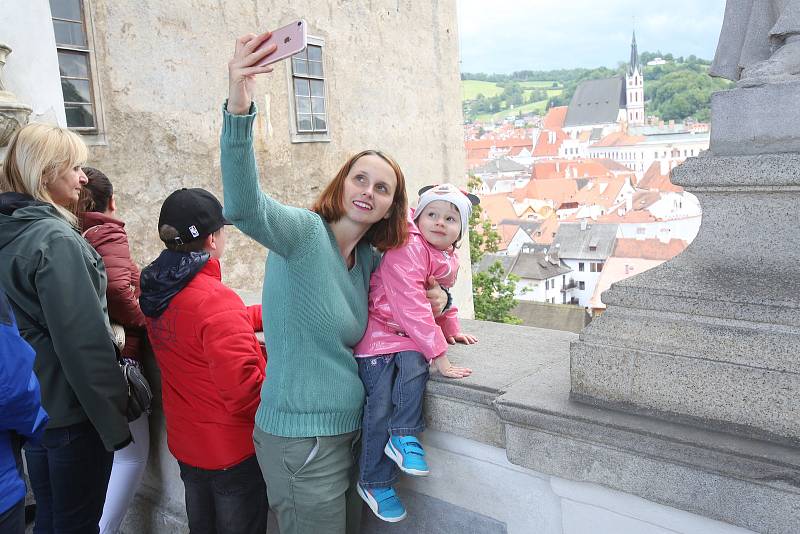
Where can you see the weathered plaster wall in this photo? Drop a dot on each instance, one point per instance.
(393, 84)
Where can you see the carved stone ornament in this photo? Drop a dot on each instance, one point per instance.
(13, 114)
(759, 43)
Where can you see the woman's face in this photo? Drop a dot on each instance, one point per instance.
(65, 189)
(369, 190)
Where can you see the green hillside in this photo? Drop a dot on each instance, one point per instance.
(470, 89)
(678, 90)
(484, 100)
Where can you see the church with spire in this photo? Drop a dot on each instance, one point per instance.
(634, 88)
(609, 104)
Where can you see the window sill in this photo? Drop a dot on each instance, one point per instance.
(311, 138)
(94, 139)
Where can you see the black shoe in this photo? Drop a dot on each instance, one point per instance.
(30, 513)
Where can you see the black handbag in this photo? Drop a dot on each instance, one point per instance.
(140, 396)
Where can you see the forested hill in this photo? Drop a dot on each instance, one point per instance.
(679, 89)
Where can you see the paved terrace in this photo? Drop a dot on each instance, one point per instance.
(510, 452)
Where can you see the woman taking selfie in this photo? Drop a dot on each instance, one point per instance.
(308, 424)
(56, 284)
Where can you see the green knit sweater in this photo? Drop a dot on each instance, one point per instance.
(314, 308)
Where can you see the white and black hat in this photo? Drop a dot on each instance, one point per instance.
(194, 213)
(462, 200)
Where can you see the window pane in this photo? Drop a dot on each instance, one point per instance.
(73, 64)
(79, 115)
(318, 105)
(317, 88)
(66, 9)
(301, 54)
(303, 104)
(304, 123)
(76, 90)
(314, 53)
(69, 33)
(319, 122)
(301, 87)
(300, 66)
(315, 68)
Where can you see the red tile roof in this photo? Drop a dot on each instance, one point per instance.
(544, 148)
(497, 207)
(654, 180)
(619, 139)
(554, 118)
(648, 249)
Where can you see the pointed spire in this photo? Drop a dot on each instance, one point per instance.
(633, 65)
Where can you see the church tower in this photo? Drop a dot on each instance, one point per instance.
(634, 88)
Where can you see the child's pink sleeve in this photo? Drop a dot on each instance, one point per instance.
(448, 321)
(404, 272)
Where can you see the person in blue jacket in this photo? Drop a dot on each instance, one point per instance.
(22, 417)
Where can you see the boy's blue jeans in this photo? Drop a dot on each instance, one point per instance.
(395, 385)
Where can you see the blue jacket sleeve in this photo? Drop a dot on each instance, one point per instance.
(19, 389)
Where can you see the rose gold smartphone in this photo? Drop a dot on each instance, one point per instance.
(290, 40)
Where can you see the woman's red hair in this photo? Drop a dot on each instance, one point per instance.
(384, 234)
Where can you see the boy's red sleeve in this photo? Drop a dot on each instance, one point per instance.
(236, 363)
(254, 312)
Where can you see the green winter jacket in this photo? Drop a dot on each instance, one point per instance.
(56, 284)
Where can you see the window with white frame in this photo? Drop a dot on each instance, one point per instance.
(75, 65)
(309, 97)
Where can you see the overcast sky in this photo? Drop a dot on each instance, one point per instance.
(503, 36)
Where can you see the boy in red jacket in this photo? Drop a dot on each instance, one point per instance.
(212, 367)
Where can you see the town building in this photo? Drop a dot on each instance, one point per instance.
(584, 248)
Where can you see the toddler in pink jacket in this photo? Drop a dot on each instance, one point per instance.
(402, 339)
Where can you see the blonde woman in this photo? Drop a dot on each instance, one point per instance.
(56, 284)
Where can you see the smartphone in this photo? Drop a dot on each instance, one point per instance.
(290, 39)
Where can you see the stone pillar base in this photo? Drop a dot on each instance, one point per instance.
(711, 337)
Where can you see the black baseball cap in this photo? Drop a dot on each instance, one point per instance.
(194, 213)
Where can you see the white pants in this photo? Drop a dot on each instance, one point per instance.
(126, 474)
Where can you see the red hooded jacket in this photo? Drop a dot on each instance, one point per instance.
(107, 236)
(211, 363)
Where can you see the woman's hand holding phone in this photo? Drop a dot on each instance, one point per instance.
(242, 70)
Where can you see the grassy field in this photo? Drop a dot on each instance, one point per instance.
(471, 88)
(535, 107)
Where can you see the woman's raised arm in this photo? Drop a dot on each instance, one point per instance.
(282, 229)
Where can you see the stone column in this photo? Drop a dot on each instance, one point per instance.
(712, 337)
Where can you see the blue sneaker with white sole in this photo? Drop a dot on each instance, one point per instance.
(407, 453)
(383, 502)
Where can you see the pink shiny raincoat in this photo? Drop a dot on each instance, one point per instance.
(400, 316)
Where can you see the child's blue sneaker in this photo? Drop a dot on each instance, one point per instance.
(384, 502)
(407, 453)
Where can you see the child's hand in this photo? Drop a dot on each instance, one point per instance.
(461, 337)
(449, 370)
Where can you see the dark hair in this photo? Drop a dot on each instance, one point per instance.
(168, 234)
(384, 234)
(96, 194)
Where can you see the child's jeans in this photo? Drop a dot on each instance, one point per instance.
(395, 384)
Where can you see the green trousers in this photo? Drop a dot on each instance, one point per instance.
(311, 482)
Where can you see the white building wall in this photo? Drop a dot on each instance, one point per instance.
(31, 71)
(586, 276)
(675, 206)
(639, 157)
(685, 229)
(540, 290)
(516, 243)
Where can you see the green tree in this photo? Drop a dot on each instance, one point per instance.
(492, 290)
